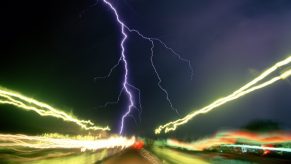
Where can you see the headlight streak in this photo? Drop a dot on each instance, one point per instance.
(259, 147)
(233, 138)
(29, 104)
(83, 143)
(248, 88)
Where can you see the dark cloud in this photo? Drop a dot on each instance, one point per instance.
(53, 52)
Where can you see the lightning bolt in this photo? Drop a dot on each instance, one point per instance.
(123, 59)
(246, 89)
(29, 104)
(126, 86)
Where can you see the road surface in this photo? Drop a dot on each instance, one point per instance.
(157, 155)
(148, 155)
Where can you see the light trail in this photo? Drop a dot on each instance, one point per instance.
(63, 142)
(260, 147)
(199, 145)
(248, 88)
(126, 86)
(29, 104)
(233, 137)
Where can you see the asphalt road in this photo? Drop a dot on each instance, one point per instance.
(148, 155)
(132, 156)
(157, 155)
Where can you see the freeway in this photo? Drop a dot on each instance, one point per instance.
(145, 155)
(133, 156)
(163, 155)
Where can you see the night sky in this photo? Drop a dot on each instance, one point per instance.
(52, 50)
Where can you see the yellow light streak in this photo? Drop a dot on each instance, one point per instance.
(232, 137)
(248, 88)
(29, 104)
(66, 142)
